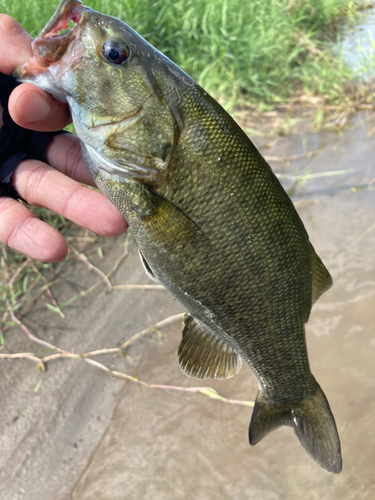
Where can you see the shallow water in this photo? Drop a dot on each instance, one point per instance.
(171, 445)
(357, 42)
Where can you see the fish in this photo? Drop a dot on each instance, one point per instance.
(211, 221)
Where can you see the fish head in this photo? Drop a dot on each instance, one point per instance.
(117, 89)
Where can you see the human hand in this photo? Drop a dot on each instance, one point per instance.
(54, 184)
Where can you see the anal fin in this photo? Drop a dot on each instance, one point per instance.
(321, 279)
(203, 355)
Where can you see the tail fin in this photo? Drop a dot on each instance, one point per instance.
(311, 420)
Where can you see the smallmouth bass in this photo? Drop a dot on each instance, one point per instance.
(211, 220)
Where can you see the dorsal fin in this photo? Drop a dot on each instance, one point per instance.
(321, 279)
(203, 355)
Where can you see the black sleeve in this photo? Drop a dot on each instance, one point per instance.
(17, 143)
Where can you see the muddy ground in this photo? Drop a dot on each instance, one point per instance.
(86, 435)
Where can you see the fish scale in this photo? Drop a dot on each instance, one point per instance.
(211, 220)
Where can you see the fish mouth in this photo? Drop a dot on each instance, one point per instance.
(67, 10)
(54, 39)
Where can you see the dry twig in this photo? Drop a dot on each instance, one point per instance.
(138, 287)
(207, 391)
(48, 290)
(85, 260)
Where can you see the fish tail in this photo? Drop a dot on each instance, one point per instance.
(312, 421)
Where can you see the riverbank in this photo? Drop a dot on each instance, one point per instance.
(74, 432)
(71, 430)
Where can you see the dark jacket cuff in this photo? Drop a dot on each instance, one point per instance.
(17, 143)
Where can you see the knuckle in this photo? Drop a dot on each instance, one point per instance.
(73, 160)
(7, 212)
(32, 183)
(13, 220)
(73, 202)
(18, 228)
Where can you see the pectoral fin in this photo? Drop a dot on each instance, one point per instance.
(165, 220)
(203, 355)
(147, 268)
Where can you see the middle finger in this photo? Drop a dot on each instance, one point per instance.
(41, 185)
(64, 154)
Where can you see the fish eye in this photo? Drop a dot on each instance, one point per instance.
(115, 51)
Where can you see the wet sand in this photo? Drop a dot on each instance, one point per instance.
(85, 435)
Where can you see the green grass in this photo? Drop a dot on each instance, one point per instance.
(23, 279)
(255, 51)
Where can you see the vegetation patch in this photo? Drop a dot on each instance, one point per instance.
(255, 52)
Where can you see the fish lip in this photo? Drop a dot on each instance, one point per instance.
(67, 10)
(50, 46)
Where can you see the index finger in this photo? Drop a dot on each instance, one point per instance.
(63, 152)
(29, 106)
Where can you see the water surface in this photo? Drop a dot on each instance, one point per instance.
(357, 43)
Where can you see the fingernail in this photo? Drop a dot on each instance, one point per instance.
(32, 108)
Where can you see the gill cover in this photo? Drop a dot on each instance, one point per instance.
(110, 76)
